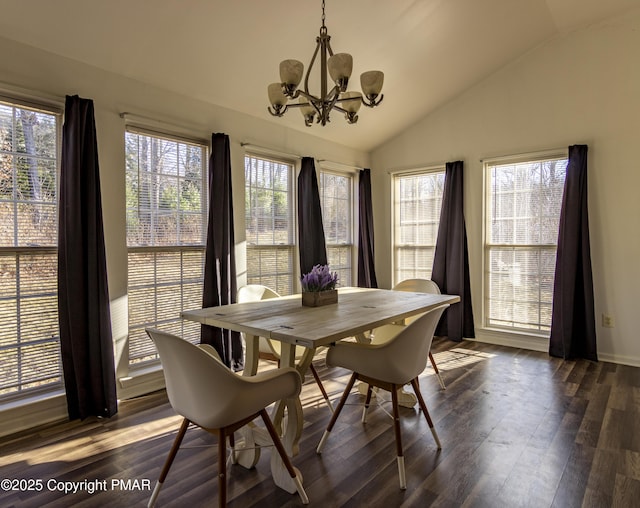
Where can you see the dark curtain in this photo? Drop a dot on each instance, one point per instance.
(366, 258)
(451, 258)
(313, 250)
(220, 286)
(573, 329)
(83, 295)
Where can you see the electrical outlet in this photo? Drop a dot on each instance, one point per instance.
(608, 320)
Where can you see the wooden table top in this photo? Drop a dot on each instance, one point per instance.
(287, 320)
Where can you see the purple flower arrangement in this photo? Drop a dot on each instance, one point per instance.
(319, 279)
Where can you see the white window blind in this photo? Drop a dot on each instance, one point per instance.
(166, 228)
(29, 336)
(523, 202)
(269, 223)
(417, 204)
(336, 198)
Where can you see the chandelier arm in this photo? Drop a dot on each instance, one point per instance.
(338, 108)
(331, 100)
(374, 102)
(313, 59)
(350, 99)
(312, 98)
(279, 112)
(329, 50)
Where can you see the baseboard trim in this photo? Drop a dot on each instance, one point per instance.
(542, 344)
(33, 412)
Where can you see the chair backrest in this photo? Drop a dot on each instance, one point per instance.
(418, 286)
(406, 355)
(255, 293)
(199, 386)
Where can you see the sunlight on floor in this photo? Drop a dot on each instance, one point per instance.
(459, 357)
(78, 448)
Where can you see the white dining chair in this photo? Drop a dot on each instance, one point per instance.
(207, 394)
(271, 349)
(386, 332)
(388, 366)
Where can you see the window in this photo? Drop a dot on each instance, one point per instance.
(166, 235)
(336, 191)
(29, 337)
(269, 223)
(417, 204)
(523, 200)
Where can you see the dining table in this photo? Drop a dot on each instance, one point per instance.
(285, 319)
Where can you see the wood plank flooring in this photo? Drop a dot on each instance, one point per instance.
(518, 429)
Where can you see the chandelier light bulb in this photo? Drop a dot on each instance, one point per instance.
(291, 75)
(340, 66)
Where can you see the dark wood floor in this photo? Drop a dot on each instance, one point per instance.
(518, 429)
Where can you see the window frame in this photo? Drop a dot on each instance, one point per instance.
(19, 250)
(433, 170)
(290, 249)
(178, 250)
(353, 229)
(488, 164)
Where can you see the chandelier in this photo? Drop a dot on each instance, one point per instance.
(338, 66)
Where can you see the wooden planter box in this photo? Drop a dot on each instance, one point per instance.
(317, 299)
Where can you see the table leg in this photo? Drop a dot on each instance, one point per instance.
(252, 354)
(288, 423)
(248, 449)
(290, 428)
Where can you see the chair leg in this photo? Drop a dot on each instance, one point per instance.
(367, 402)
(167, 464)
(396, 426)
(435, 368)
(336, 413)
(232, 445)
(320, 385)
(423, 406)
(222, 468)
(283, 455)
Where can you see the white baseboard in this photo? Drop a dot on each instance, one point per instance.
(44, 409)
(534, 343)
(622, 360)
(33, 412)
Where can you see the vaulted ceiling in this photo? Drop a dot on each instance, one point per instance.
(226, 52)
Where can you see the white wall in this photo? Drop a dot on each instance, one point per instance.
(581, 88)
(26, 68)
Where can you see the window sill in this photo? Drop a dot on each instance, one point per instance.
(25, 413)
(515, 339)
(142, 380)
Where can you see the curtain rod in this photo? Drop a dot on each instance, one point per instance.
(420, 167)
(271, 151)
(537, 154)
(31, 97)
(188, 133)
(341, 164)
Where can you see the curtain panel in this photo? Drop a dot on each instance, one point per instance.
(366, 258)
(83, 295)
(220, 286)
(573, 329)
(313, 250)
(451, 258)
